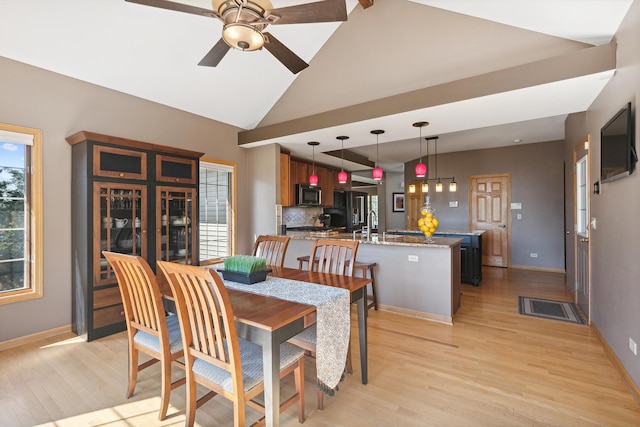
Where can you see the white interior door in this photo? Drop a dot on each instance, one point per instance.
(581, 224)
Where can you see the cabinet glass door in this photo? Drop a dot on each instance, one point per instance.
(121, 224)
(175, 219)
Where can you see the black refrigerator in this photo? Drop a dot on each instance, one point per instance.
(349, 209)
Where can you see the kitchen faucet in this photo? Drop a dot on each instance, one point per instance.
(370, 223)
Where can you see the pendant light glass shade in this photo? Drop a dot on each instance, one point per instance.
(377, 171)
(438, 187)
(421, 168)
(313, 178)
(343, 177)
(377, 174)
(453, 187)
(412, 188)
(425, 187)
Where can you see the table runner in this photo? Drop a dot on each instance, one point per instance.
(333, 321)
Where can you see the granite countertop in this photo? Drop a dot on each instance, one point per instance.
(460, 232)
(383, 239)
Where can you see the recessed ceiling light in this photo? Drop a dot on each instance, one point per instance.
(517, 140)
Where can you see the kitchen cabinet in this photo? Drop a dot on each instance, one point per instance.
(326, 182)
(285, 181)
(294, 172)
(130, 197)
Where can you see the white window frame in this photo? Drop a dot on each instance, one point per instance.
(230, 167)
(34, 287)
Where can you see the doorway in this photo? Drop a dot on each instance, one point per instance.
(581, 202)
(489, 210)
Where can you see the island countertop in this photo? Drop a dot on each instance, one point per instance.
(455, 232)
(379, 239)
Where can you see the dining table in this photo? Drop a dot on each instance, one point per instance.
(270, 321)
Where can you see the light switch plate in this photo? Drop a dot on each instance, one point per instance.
(453, 204)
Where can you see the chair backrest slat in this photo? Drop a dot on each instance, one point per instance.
(334, 256)
(273, 248)
(206, 317)
(140, 293)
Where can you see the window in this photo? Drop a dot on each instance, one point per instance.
(216, 214)
(20, 214)
(582, 209)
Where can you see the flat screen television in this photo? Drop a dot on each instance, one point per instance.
(617, 146)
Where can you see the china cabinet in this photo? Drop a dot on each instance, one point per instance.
(130, 197)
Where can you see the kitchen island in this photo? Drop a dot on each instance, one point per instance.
(412, 277)
(470, 251)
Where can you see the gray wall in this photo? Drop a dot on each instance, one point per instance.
(615, 243)
(536, 172)
(62, 106)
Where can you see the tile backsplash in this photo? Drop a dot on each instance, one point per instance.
(295, 217)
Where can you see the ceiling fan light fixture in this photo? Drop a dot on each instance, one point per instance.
(243, 36)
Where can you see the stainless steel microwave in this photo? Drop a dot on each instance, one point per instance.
(307, 195)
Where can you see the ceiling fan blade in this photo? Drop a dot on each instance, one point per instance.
(293, 62)
(320, 11)
(215, 55)
(178, 7)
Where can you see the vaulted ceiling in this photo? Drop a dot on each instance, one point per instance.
(399, 51)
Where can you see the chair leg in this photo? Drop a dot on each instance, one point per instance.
(192, 399)
(373, 288)
(133, 370)
(165, 391)
(298, 375)
(320, 400)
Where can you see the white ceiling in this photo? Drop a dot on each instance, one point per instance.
(153, 54)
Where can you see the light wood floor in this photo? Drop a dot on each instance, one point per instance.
(494, 367)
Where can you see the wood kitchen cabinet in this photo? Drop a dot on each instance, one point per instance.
(285, 181)
(130, 197)
(293, 171)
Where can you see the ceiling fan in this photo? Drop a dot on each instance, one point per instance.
(244, 22)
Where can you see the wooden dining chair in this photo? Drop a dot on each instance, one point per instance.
(215, 356)
(273, 248)
(149, 330)
(334, 256)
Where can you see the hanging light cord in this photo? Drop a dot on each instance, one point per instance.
(342, 153)
(420, 142)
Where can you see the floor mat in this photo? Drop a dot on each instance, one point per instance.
(555, 310)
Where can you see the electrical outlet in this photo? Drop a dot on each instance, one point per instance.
(633, 347)
(533, 255)
(413, 258)
(519, 216)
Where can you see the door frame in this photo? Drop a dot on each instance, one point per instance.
(584, 144)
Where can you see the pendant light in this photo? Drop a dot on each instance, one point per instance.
(421, 168)
(313, 178)
(342, 175)
(377, 172)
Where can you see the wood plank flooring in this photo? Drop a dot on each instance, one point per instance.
(493, 367)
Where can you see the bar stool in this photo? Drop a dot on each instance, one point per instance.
(363, 267)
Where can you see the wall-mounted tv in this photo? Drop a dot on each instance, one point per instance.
(617, 146)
